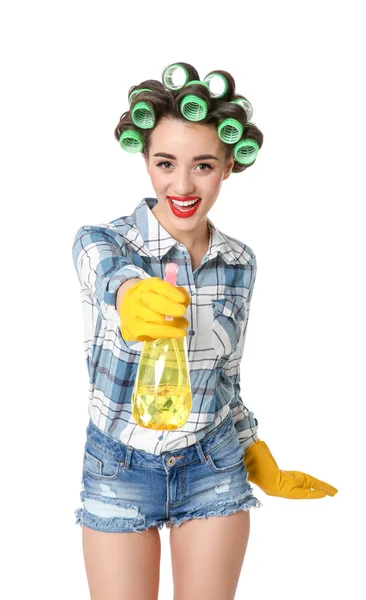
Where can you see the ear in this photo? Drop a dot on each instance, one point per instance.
(228, 168)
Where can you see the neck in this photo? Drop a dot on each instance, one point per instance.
(192, 240)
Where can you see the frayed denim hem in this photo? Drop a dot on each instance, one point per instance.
(221, 510)
(113, 524)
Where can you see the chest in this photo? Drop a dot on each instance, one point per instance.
(196, 258)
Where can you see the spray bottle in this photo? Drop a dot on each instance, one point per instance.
(161, 398)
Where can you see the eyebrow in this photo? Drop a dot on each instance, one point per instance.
(199, 157)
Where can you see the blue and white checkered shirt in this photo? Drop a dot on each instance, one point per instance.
(108, 254)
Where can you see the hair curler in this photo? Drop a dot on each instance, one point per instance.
(143, 115)
(175, 77)
(193, 108)
(244, 103)
(135, 92)
(246, 151)
(217, 84)
(131, 141)
(230, 130)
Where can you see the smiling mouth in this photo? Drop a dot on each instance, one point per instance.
(183, 208)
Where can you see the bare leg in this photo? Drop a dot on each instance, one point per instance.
(207, 556)
(122, 565)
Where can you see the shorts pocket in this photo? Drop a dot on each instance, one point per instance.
(228, 317)
(100, 464)
(226, 457)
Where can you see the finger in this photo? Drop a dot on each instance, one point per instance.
(187, 295)
(304, 494)
(144, 338)
(312, 482)
(294, 485)
(162, 305)
(148, 315)
(164, 288)
(180, 322)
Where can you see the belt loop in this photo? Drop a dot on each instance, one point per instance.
(127, 462)
(200, 452)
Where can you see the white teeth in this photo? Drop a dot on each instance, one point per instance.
(186, 203)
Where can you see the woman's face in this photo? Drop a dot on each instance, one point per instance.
(186, 159)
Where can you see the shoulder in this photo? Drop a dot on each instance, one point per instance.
(243, 253)
(113, 231)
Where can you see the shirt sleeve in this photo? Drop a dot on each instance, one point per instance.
(246, 424)
(101, 262)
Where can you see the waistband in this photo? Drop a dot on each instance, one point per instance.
(128, 455)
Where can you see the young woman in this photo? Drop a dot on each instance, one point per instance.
(192, 134)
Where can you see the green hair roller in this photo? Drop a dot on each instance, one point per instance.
(143, 115)
(217, 84)
(198, 81)
(193, 108)
(131, 141)
(230, 131)
(175, 77)
(245, 151)
(244, 103)
(135, 92)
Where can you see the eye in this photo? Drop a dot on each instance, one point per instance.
(204, 165)
(167, 162)
(163, 162)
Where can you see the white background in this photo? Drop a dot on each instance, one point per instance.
(66, 71)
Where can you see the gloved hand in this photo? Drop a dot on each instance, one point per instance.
(263, 470)
(144, 307)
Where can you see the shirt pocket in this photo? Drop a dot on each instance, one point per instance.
(227, 325)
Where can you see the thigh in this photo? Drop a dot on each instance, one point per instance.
(207, 556)
(122, 565)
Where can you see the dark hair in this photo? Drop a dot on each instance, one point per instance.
(166, 103)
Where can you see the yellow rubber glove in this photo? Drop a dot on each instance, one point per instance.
(263, 470)
(146, 304)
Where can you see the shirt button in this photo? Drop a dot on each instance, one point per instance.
(191, 332)
(192, 293)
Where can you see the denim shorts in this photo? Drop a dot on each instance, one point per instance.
(125, 489)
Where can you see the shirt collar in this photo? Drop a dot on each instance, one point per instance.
(159, 241)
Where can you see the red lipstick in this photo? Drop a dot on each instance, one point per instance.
(183, 212)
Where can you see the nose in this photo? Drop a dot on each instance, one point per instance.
(183, 184)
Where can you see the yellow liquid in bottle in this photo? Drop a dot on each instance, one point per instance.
(162, 408)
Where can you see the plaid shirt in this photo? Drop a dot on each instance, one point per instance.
(108, 254)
